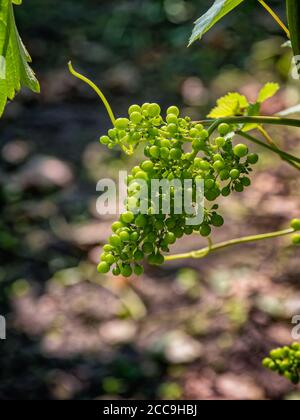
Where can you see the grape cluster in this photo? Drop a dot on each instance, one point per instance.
(174, 148)
(285, 361)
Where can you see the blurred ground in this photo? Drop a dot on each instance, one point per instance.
(192, 329)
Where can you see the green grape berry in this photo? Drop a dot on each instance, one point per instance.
(252, 158)
(295, 224)
(224, 129)
(205, 230)
(103, 267)
(136, 117)
(240, 150)
(122, 123)
(127, 217)
(173, 110)
(138, 270)
(234, 174)
(296, 239)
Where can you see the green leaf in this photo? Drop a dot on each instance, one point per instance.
(230, 105)
(267, 92)
(219, 9)
(14, 58)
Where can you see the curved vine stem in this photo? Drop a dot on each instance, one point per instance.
(214, 123)
(96, 89)
(202, 253)
(275, 17)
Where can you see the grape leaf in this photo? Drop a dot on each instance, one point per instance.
(267, 92)
(229, 105)
(219, 9)
(15, 71)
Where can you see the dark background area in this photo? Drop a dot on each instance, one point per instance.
(191, 329)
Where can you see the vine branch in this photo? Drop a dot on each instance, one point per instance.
(201, 253)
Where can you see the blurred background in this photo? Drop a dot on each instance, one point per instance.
(191, 329)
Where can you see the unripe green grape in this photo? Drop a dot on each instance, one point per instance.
(171, 119)
(112, 132)
(212, 194)
(224, 129)
(246, 182)
(151, 237)
(110, 259)
(116, 226)
(164, 152)
(103, 267)
(204, 135)
(170, 223)
(170, 238)
(199, 127)
(126, 270)
(138, 270)
(218, 165)
(217, 220)
(178, 232)
(124, 236)
(194, 132)
(175, 154)
(135, 170)
(239, 187)
(240, 150)
(134, 236)
(127, 217)
(204, 165)
(220, 141)
(115, 241)
(154, 151)
(277, 354)
(224, 175)
(188, 230)
(138, 256)
(173, 110)
(253, 158)
(116, 271)
(295, 224)
(151, 259)
(296, 239)
(108, 248)
(205, 230)
(141, 221)
(141, 175)
(147, 166)
(153, 110)
(104, 140)
(234, 174)
(136, 117)
(172, 128)
(198, 144)
(145, 106)
(209, 184)
(226, 191)
(134, 108)
(122, 123)
(147, 247)
(217, 156)
(267, 362)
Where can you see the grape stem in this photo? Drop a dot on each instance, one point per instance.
(202, 253)
(292, 122)
(292, 160)
(275, 17)
(96, 89)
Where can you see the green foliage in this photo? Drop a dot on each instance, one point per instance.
(219, 9)
(285, 361)
(235, 104)
(15, 71)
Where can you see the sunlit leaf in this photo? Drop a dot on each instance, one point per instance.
(219, 9)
